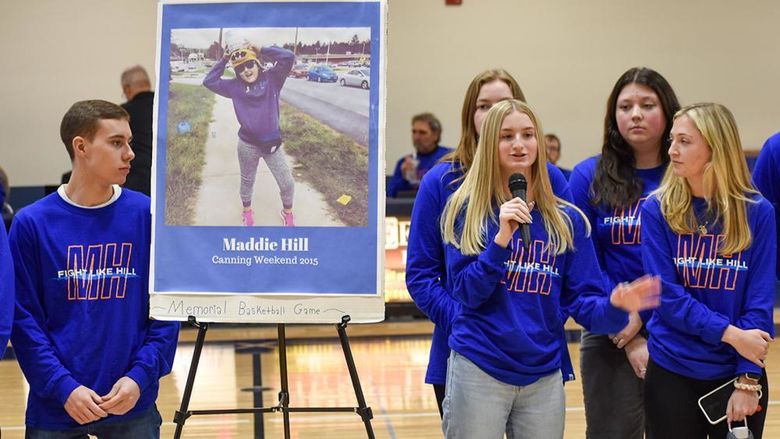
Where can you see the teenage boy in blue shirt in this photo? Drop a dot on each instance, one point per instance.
(82, 332)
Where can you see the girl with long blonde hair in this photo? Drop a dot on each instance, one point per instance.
(426, 277)
(504, 369)
(711, 237)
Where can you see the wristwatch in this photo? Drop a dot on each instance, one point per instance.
(752, 376)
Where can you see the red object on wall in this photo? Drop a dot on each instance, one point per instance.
(453, 2)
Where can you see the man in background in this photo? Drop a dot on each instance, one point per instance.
(140, 106)
(426, 135)
(553, 147)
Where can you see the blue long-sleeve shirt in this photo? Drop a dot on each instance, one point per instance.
(426, 277)
(616, 231)
(82, 304)
(703, 292)
(425, 162)
(256, 104)
(510, 321)
(6, 291)
(766, 176)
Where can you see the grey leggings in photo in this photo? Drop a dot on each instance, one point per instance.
(249, 157)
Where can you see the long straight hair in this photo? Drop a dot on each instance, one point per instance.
(615, 184)
(483, 190)
(726, 180)
(464, 153)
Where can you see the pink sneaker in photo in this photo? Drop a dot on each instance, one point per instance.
(248, 217)
(287, 219)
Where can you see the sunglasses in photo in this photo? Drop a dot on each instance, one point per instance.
(246, 65)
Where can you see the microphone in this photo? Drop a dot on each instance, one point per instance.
(518, 187)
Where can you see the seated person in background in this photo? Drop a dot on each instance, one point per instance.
(426, 134)
(81, 330)
(553, 147)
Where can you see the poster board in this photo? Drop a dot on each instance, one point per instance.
(216, 114)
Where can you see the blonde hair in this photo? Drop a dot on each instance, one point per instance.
(483, 190)
(464, 153)
(726, 180)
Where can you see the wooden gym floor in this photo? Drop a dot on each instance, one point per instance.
(391, 359)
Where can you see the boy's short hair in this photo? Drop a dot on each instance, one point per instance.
(82, 118)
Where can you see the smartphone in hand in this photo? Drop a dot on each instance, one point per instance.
(715, 403)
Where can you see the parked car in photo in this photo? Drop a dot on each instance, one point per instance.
(357, 78)
(322, 74)
(299, 71)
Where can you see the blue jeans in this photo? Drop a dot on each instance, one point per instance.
(144, 426)
(478, 406)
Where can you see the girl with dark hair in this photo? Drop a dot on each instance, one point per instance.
(610, 190)
(426, 277)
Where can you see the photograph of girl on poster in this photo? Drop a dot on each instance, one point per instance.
(268, 127)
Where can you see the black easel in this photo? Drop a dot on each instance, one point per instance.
(362, 409)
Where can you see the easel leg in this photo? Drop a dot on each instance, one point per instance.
(284, 394)
(182, 414)
(363, 410)
(257, 381)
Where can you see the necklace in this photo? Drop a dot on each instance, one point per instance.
(707, 218)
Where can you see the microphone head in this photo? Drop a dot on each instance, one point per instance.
(517, 183)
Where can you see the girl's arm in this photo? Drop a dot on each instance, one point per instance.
(425, 255)
(283, 59)
(476, 278)
(758, 301)
(582, 294)
(214, 82)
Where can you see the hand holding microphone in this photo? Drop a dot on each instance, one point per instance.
(515, 213)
